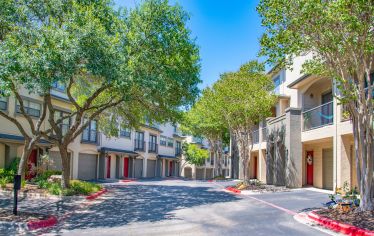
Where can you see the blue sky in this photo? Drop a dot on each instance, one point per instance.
(227, 32)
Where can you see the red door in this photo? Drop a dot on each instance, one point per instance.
(309, 168)
(108, 166)
(170, 168)
(31, 165)
(255, 171)
(126, 167)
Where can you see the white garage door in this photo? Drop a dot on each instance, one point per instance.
(328, 169)
(138, 168)
(151, 168)
(188, 172)
(87, 166)
(199, 173)
(54, 160)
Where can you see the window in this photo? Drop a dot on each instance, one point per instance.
(90, 132)
(139, 141)
(163, 141)
(125, 132)
(3, 103)
(31, 108)
(58, 86)
(65, 122)
(170, 142)
(277, 82)
(178, 148)
(152, 143)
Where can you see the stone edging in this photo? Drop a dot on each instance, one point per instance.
(338, 226)
(93, 196)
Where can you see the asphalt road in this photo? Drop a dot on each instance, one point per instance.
(178, 207)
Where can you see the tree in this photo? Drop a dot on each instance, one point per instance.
(245, 98)
(204, 120)
(193, 154)
(113, 64)
(340, 36)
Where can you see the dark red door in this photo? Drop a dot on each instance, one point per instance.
(31, 165)
(309, 168)
(170, 168)
(108, 166)
(255, 171)
(126, 167)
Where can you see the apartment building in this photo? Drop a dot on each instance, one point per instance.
(150, 151)
(309, 139)
(209, 169)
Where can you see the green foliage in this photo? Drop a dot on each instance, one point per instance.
(3, 182)
(194, 155)
(46, 174)
(245, 97)
(77, 187)
(13, 167)
(43, 184)
(84, 188)
(54, 188)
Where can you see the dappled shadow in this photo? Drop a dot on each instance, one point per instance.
(143, 203)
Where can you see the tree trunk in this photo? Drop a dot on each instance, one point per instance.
(363, 139)
(219, 157)
(234, 156)
(27, 149)
(65, 180)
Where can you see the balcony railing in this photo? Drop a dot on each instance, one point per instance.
(318, 116)
(178, 151)
(152, 147)
(256, 137)
(264, 133)
(139, 145)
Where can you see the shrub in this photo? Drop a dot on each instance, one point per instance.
(54, 188)
(85, 188)
(13, 167)
(42, 184)
(3, 182)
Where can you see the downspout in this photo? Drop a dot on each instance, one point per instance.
(336, 134)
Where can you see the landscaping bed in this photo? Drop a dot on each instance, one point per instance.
(8, 216)
(363, 220)
(257, 186)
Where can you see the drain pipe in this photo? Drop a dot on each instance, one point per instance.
(336, 134)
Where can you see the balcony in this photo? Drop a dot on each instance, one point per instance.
(139, 145)
(89, 136)
(264, 133)
(319, 116)
(255, 136)
(178, 151)
(152, 147)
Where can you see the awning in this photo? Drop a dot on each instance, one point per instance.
(167, 157)
(20, 139)
(107, 149)
(300, 81)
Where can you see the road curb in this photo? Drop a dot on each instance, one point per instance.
(338, 226)
(127, 180)
(234, 190)
(38, 224)
(96, 195)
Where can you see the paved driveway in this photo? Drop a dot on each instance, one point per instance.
(177, 207)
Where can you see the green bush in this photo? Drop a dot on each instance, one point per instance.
(46, 174)
(54, 188)
(3, 182)
(84, 188)
(13, 167)
(42, 184)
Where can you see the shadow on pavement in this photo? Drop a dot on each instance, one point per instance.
(143, 203)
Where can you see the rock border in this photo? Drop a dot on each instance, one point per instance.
(338, 226)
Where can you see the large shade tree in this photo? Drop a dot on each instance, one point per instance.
(204, 120)
(129, 64)
(340, 35)
(245, 98)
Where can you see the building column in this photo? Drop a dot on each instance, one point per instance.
(343, 161)
(163, 168)
(145, 166)
(337, 143)
(75, 157)
(2, 155)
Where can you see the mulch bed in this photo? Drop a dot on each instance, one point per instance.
(266, 188)
(7, 215)
(364, 220)
(29, 188)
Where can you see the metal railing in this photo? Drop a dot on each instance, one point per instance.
(256, 136)
(178, 151)
(264, 133)
(319, 116)
(152, 147)
(139, 145)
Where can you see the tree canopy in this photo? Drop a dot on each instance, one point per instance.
(194, 155)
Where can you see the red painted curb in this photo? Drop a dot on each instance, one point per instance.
(234, 190)
(38, 224)
(210, 180)
(96, 195)
(127, 180)
(339, 227)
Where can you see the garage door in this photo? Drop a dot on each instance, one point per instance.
(151, 168)
(138, 168)
(199, 173)
(328, 167)
(209, 173)
(188, 172)
(87, 166)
